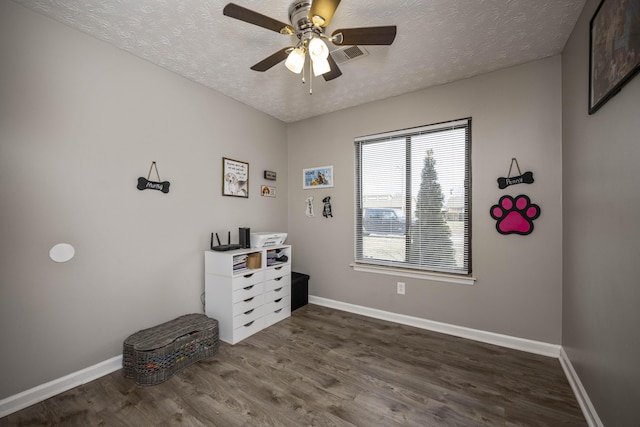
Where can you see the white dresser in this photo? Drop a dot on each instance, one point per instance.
(245, 300)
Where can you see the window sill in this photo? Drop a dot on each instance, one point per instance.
(424, 275)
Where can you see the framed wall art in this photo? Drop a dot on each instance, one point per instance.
(320, 177)
(267, 191)
(614, 49)
(235, 178)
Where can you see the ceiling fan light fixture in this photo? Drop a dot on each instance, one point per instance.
(295, 60)
(320, 66)
(318, 20)
(318, 49)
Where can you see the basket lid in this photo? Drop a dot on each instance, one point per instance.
(166, 333)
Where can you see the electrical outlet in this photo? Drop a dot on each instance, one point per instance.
(401, 288)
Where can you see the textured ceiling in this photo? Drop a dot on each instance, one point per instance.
(438, 41)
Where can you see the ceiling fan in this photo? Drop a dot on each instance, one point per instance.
(308, 20)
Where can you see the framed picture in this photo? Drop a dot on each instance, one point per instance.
(267, 191)
(235, 178)
(614, 49)
(321, 177)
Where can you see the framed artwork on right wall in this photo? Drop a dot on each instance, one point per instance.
(614, 49)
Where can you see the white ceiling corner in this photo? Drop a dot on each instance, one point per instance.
(438, 41)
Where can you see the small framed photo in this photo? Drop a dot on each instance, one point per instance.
(267, 191)
(235, 178)
(320, 177)
(614, 49)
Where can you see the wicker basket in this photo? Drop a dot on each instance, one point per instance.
(151, 356)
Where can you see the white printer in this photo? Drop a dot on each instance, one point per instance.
(265, 239)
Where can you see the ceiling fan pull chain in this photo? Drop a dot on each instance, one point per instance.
(303, 70)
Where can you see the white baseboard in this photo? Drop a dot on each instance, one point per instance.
(537, 347)
(587, 407)
(44, 391)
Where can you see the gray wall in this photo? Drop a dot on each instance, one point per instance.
(601, 204)
(516, 113)
(80, 121)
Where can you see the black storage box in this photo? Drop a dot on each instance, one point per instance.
(299, 290)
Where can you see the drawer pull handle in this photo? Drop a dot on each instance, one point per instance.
(248, 287)
(278, 310)
(278, 300)
(248, 299)
(247, 275)
(277, 290)
(278, 279)
(249, 324)
(278, 268)
(249, 312)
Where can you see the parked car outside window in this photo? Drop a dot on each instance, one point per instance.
(384, 221)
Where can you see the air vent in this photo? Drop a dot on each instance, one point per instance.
(348, 53)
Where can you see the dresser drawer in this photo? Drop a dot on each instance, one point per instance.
(278, 282)
(277, 315)
(248, 316)
(247, 329)
(279, 271)
(248, 292)
(275, 305)
(277, 293)
(247, 304)
(247, 280)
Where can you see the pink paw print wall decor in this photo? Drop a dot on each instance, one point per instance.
(515, 216)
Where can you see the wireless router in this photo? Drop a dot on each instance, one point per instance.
(227, 247)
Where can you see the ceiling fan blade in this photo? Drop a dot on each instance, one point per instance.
(272, 60)
(366, 36)
(323, 10)
(335, 70)
(243, 14)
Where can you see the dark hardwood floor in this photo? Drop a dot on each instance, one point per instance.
(324, 367)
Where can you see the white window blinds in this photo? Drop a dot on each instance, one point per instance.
(413, 198)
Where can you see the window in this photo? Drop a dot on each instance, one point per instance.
(413, 198)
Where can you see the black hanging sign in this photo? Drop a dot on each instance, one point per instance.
(526, 178)
(144, 183)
